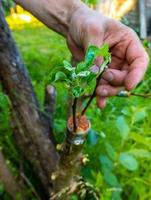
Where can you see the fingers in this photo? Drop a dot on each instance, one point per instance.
(104, 91)
(138, 61)
(107, 90)
(137, 70)
(114, 77)
(109, 85)
(116, 63)
(101, 102)
(98, 61)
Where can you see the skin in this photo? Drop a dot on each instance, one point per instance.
(129, 59)
(81, 27)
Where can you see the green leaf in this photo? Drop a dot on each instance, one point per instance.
(60, 76)
(74, 197)
(83, 74)
(68, 66)
(77, 90)
(91, 77)
(141, 139)
(102, 67)
(91, 54)
(106, 162)
(103, 51)
(116, 194)
(123, 127)
(110, 150)
(111, 178)
(92, 137)
(139, 114)
(99, 180)
(126, 111)
(140, 153)
(81, 67)
(81, 78)
(128, 161)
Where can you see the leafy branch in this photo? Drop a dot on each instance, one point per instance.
(81, 78)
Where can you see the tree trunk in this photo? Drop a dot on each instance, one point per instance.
(66, 176)
(32, 132)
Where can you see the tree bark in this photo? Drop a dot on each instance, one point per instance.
(67, 173)
(32, 132)
(49, 108)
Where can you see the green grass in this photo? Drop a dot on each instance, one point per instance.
(124, 126)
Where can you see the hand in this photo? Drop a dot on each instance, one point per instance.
(129, 59)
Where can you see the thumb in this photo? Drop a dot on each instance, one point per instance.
(76, 51)
(93, 36)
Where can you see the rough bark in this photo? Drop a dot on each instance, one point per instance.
(49, 108)
(67, 173)
(32, 131)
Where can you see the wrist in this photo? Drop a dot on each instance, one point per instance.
(76, 6)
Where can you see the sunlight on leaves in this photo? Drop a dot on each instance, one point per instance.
(128, 161)
(123, 127)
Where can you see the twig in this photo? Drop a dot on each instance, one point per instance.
(125, 93)
(93, 94)
(74, 107)
(141, 95)
(89, 101)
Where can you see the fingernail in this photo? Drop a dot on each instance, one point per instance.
(109, 76)
(103, 93)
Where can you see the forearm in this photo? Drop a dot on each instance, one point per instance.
(56, 14)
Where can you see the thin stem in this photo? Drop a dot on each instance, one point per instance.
(74, 107)
(141, 95)
(93, 95)
(130, 94)
(89, 101)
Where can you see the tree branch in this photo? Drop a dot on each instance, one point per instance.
(49, 108)
(92, 96)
